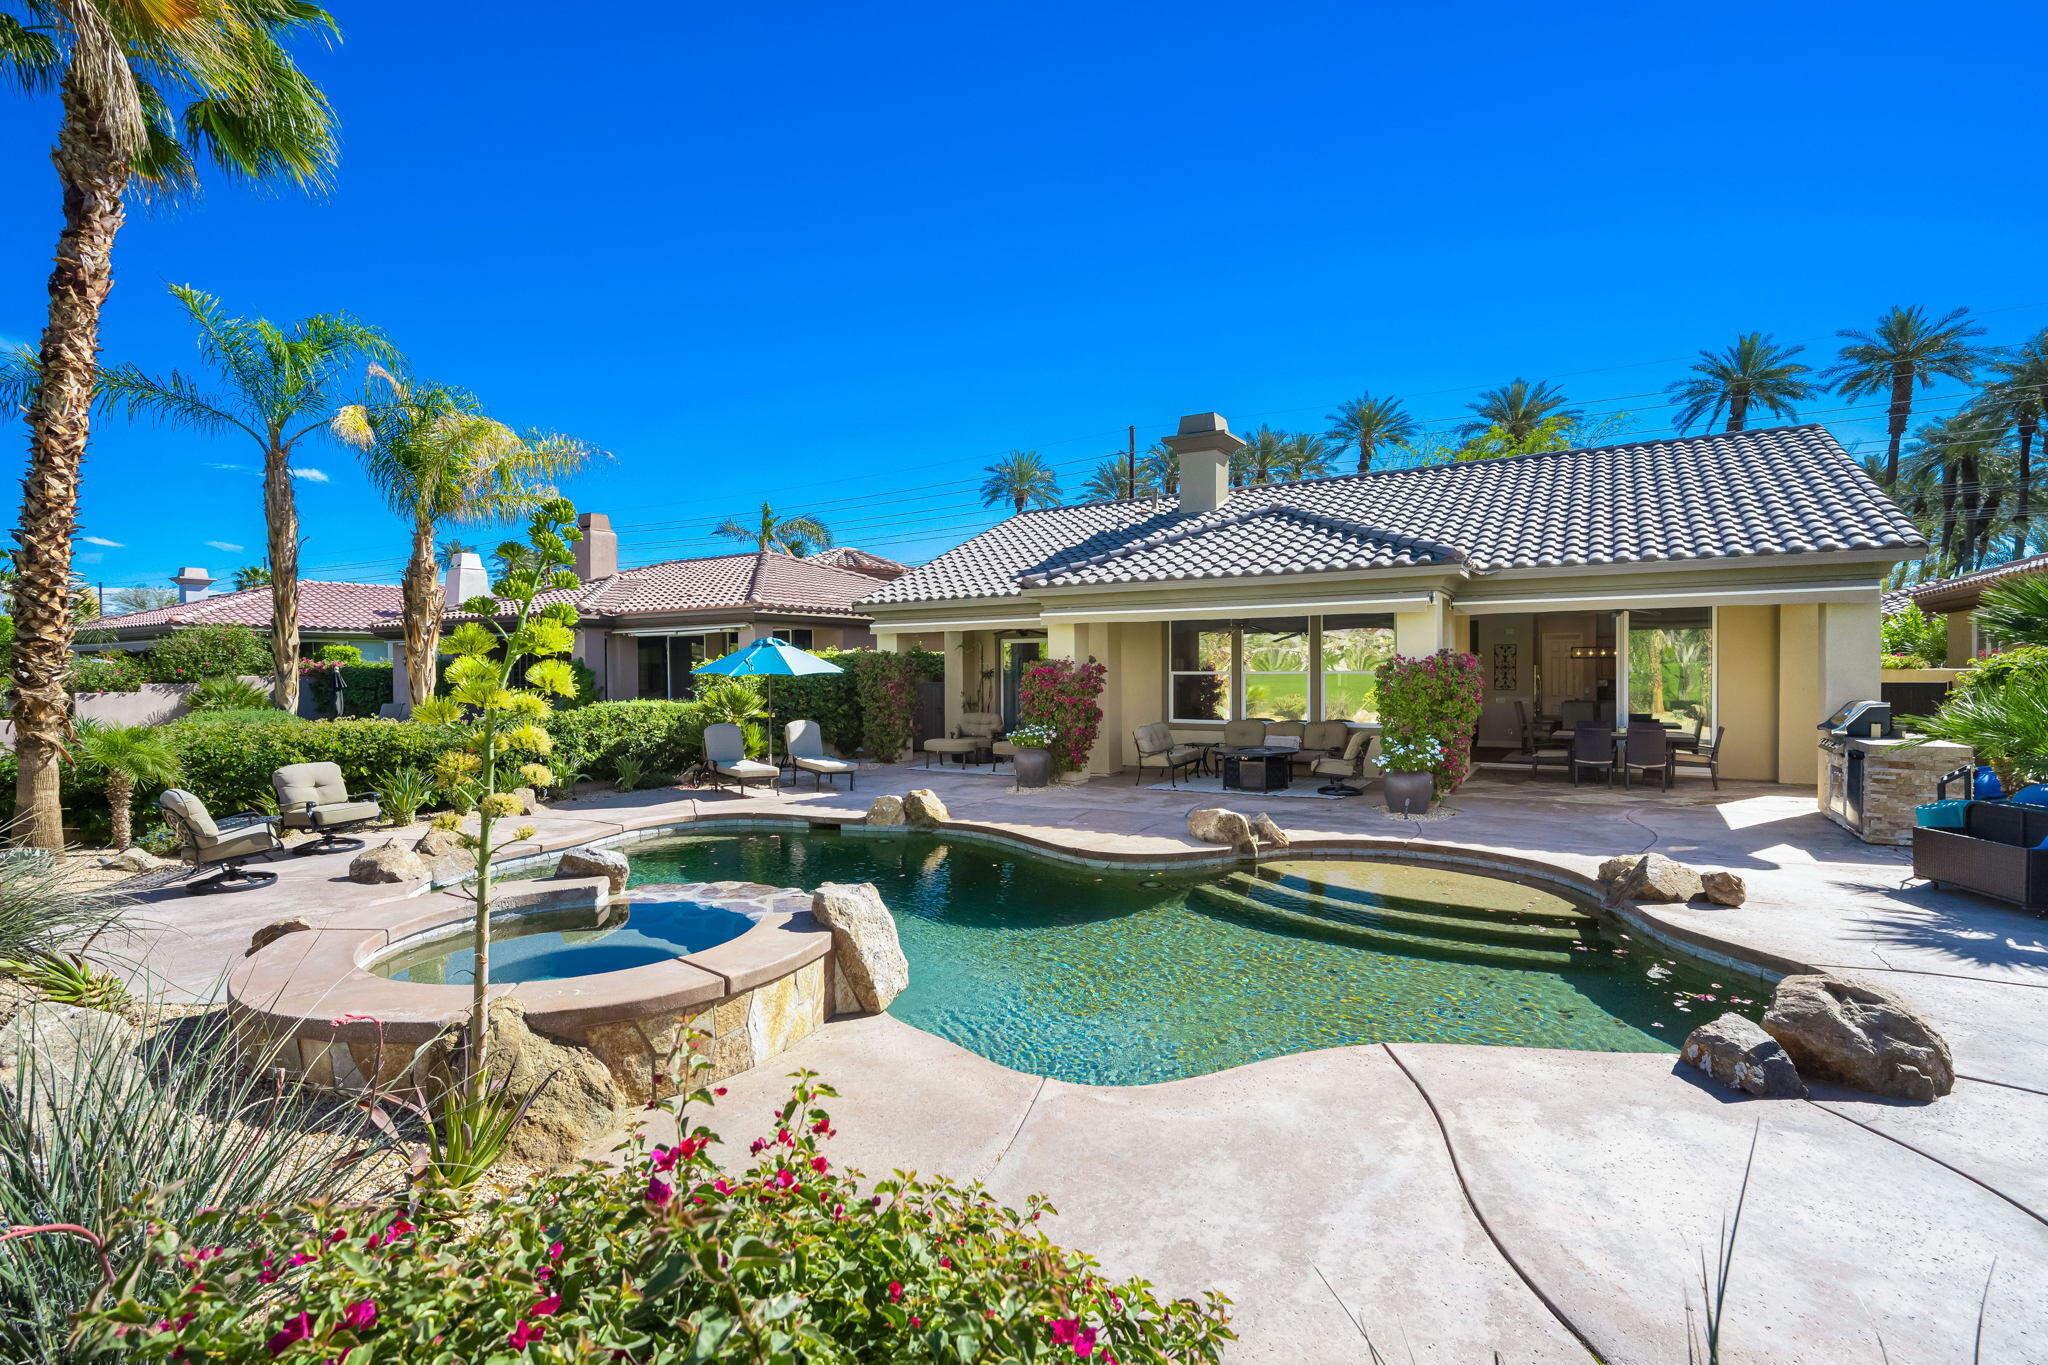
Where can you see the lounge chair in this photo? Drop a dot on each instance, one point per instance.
(1244, 734)
(806, 745)
(227, 845)
(313, 796)
(1593, 747)
(1157, 749)
(725, 754)
(1706, 756)
(976, 735)
(1349, 763)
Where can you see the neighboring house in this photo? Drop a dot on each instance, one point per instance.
(359, 614)
(1731, 578)
(1956, 599)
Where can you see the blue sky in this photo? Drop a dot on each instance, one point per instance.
(842, 257)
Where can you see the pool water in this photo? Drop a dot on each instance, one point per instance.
(552, 944)
(1123, 978)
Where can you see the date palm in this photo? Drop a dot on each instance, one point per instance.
(252, 576)
(1305, 457)
(1755, 372)
(2016, 398)
(1367, 423)
(1159, 469)
(1021, 478)
(798, 535)
(123, 757)
(276, 389)
(1963, 457)
(141, 87)
(1904, 351)
(1119, 479)
(440, 460)
(1262, 460)
(1517, 408)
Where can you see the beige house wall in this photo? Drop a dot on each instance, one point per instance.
(1962, 637)
(1746, 686)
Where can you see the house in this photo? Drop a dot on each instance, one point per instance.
(1956, 599)
(359, 614)
(1731, 579)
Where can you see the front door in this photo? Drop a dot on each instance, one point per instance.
(1018, 657)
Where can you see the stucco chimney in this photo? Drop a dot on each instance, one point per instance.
(465, 579)
(192, 583)
(597, 554)
(1204, 445)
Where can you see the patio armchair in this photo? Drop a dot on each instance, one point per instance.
(1646, 750)
(725, 754)
(225, 845)
(1157, 749)
(1349, 763)
(1323, 739)
(1593, 747)
(1702, 756)
(1244, 734)
(977, 733)
(314, 796)
(805, 743)
(1680, 740)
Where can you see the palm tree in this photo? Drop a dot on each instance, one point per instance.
(1517, 408)
(1305, 457)
(252, 576)
(1118, 479)
(1755, 371)
(1159, 468)
(277, 392)
(439, 460)
(2018, 401)
(1021, 478)
(799, 535)
(2016, 612)
(121, 69)
(1903, 350)
(1366, 422)
(1962, 456)
(125, 756)
(451, 548)
(1262, 460)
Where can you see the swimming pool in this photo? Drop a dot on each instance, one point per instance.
(1123, 978)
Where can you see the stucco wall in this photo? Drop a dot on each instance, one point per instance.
(1746, 669)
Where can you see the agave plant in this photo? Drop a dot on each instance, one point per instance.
(404, 792)
(227, 694)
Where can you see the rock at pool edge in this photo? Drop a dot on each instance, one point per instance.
(864, 943)
(1737, 1053)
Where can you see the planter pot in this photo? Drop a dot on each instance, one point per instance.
(1034, 767)
(1410, 793)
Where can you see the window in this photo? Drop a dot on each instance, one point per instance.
(800, 637)
(1199, 663)
(1274, 655)
(653, 667)
(1353, 647)
(1671, 665)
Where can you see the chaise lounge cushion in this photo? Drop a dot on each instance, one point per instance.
(747, 769)
(823, 765)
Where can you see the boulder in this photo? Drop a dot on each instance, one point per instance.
(574, 1098)
(1738, 1054)
(275, 930)
(136, 860)
(864, 944)
(1654, 878)
(1265, 828)
(1846, 1030)
(885, 810)
(595, 862)
(922, 809)
(529, 800)
(387, 863)
(1723, 888)
(1215, 825)
(439, 843)
(60, 1043)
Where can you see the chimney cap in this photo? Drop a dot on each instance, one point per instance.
(1199, 423)
(1204, 432)
(196, 577)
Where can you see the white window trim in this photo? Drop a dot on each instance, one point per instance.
(1236, 675)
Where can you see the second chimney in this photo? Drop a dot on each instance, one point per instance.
(465, 579)
(192, 584)
(1204, 445)
(597, 554)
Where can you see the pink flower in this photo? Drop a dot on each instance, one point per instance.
(554, 1251)
(819, 1164)
(359, 1315)
(722, 1185)
(665, 1158)
(524, 1334)
(659, 1191)
(718, 1090)
(299, 1258)
(1070, 1332)
(296, 1330)
(895, 1291)
(784, 1179)
(546, 1307)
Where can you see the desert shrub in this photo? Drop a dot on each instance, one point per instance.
(1996, 670)
(109, 672)
(655, 733)
(662, 1260)
(196, 653)
(44, 909)
(1914, 635)
(227, 694)
(1437, 697)
(1062, 695)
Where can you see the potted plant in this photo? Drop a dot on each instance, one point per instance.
(1033, 760)
(1411, 773)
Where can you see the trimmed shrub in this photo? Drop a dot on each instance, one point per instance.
(661, 736)
(1916, 636)
(227, 694)
(886, 685)
(339, 654)
(110, 672)
(1437, 697)
(196, 653)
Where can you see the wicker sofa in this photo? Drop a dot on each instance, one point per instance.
(1995, 854)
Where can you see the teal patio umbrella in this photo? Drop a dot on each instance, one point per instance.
(769, 658)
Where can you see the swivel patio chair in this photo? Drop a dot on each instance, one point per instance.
(725, 755)
(806, 745)
(1706, 757)
(976, 734)
(1593, 747)
(1350, 763)
(1646, 750)
(1157, 749)
(226, 845)
(314, 796)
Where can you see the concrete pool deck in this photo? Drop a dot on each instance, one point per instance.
(1456, 1201)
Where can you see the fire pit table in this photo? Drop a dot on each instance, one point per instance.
(1257, 768)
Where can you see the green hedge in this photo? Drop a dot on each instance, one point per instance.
(195, 653)
(833, 699)
(661, 735)
(364, 688)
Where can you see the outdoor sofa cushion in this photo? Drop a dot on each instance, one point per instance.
(320, 786)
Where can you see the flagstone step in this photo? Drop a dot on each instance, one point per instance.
(1403, 916)
(1461, 894)
(1218, 900)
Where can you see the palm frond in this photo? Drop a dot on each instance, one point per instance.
(174, 398)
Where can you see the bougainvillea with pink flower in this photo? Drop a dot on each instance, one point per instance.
(1063, 696)
(665, 1258)
(887, 688)
(1436, 697)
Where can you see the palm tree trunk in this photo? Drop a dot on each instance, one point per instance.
(2023, 489)
(94, 177)
(281, 512)
(1900, 412)
(120, 797)
(1738, 411)
(1948, 515)
(422, 614)
(1364, 455)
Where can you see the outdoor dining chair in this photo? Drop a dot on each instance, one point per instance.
(1572, 714)
(806, 745)
(1706, 756)
(1593, 747)
(725, 754)
(1537, 753)
(1646, 750)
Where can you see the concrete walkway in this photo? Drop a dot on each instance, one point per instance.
(1451, 1202)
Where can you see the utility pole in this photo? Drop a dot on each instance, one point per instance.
(1131, 462)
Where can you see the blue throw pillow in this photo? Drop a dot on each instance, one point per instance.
(2035, 794)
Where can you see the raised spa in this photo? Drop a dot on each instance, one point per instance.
(549, 945)
(1121, 977)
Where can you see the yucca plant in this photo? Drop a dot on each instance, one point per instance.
(405, 792)
(632, 773)
(44, 909)
(123, 757)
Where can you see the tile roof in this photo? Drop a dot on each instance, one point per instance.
(861, 561)
(322, 606)
(1788, 490)
(752, 581)
(1963, 590)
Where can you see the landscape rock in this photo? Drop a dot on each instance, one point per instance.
(885, 810)
(58, 1036)
(134, 860)
(575, 1099)
(922, 809)
(1215, 825)
(387, 863)
(1265, 828)
(596, 862)
(1723, 888)
(529, 800)
(439, 843)
(275, 930)
(1653, 878)
(1737, 1053)
(1846, 1030)
(865, 948)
